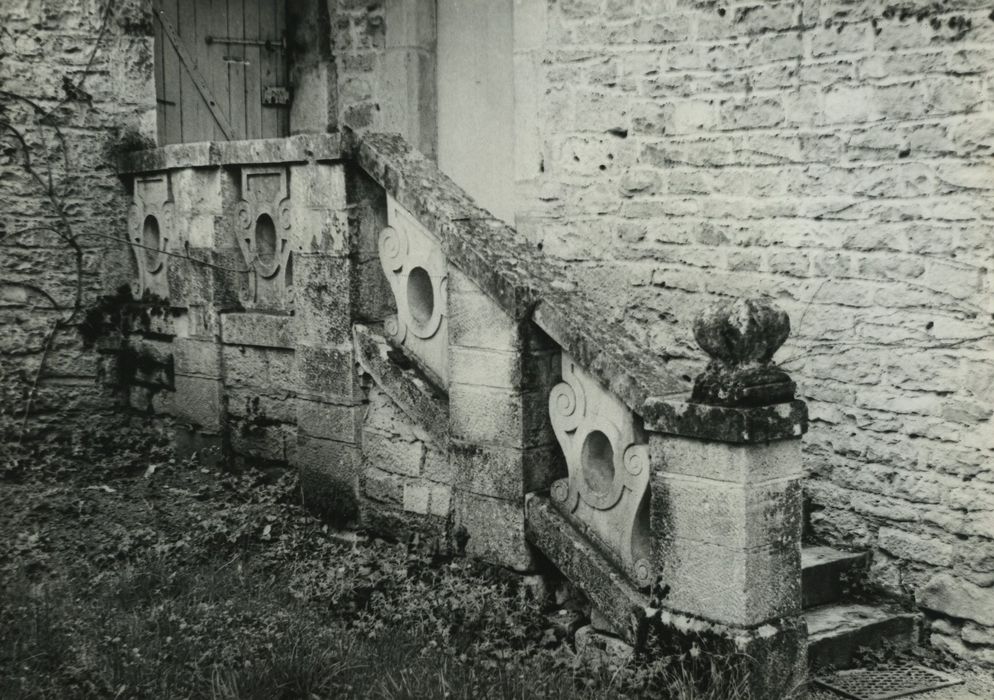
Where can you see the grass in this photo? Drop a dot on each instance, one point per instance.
(127, 574)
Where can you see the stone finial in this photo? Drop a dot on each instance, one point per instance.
(741, 336)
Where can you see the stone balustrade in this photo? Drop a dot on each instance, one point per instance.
(360, 318)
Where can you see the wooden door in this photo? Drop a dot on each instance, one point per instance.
(220, 70)
(475, 76)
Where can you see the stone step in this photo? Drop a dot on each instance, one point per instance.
(837, 631)
(826, 573)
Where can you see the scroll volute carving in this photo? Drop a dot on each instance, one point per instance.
(416, 269)
(151, 232)
(606, 492)
(263, 224)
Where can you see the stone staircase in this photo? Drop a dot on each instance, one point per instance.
(838, 624)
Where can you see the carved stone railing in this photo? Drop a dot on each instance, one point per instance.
(343, 306)
(700, 493)
(222, 234)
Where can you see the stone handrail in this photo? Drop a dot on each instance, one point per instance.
(528, 284)
(520, 278)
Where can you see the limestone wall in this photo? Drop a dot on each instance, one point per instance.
(838, 157)
(75, 85)
(832, 154)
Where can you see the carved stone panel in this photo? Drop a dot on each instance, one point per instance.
(263, 226)
(607, 455)
(152, 233)
(416, 269)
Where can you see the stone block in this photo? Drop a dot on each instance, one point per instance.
(258, 329)
(393, 453)
(208, 276)
(328, 373)
(530, 369)
(495, 530)
(438, 467)
(329, 483)
(318, 185)
(268, 369)
(482, 367)
(328, 420)
(441, 500)
(270, 443)
(374, 296)
(417, 498)
(719, 461)
(732, 586)
(503, 417)
(382, 487)
(723, 513)
(260, 408)
(197, 358)
(957, 597)
(198, 402)
(475, 320)
(504, 472)
(203, 323)
(324, 298)
(197, 191)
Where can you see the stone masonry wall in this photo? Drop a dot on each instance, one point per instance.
(75, 83)
(835, 155)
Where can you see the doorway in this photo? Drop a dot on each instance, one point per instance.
(220, 70)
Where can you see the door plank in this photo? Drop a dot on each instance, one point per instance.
(217, 69)
(282, 72)
(253, 55)
(184, 22)
(235, 58)
(160, 87)
(187, 60)
(171, 81)
(198, 44)
(270, 61)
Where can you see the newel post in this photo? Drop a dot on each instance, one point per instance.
(726, 514)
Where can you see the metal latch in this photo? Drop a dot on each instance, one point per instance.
(275, 95)
(268, 44)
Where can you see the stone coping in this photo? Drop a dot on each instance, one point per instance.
(209, 154)
(527, 284)
(416, 397)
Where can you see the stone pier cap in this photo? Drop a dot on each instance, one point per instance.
(742, 396)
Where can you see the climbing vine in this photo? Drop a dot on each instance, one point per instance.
(33, 139)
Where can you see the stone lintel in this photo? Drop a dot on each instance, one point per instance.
(261, 329)
(750, 425)
(207, 154)
(417, 397)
